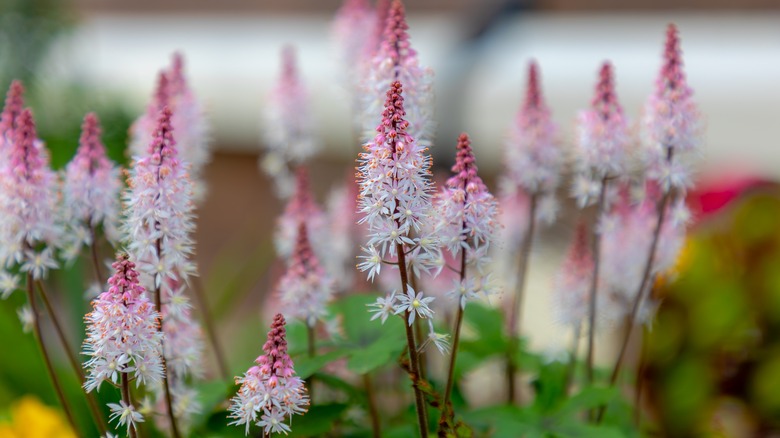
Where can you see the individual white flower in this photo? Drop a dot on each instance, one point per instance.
(415, 304)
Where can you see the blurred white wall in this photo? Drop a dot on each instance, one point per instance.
(732, 61)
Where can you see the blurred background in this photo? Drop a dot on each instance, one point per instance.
(103, 55)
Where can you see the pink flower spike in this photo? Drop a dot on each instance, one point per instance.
(90, 190)
(14, 102)
(123, 336)
(571, 286)
(301, 208)
(467, 211)
(396, 60)
(289, 135)
(28, 203)
(533, 158)
(672, 121)
(188, 120)
(393, 175)
(270, 392)
(603, 140)
(305, 289)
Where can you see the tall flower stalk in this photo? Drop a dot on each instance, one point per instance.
(395, 200)
(602, 151)
(467, 213)
(533, 161)
(90, 192)
(672, 124)
(158, 227)
(124, 342)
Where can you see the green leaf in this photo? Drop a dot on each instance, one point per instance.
(368, 344)
(505, 421)
(317, 421)
(305, 366)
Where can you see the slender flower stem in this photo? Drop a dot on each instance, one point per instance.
(515, 311)
(419, 400)
(312, 350)
(211, 331)
(72, 359)
(376, 431)
(166, 385)
(47, 360)
(638, 384)
(418, 332)
(572, 359)
(595, 278)
(128, 399)
(94, 252)
(646, 276)
(446, 408)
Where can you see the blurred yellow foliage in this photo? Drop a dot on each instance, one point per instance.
(32, 419)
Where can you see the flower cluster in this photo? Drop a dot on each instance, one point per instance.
(301, 208)
(305, 289)
(288, 128)
(603, 141)
(123, 337)
(344, 234)
(270, 392)
(671, 121)
(29, 191)
(159, 226)
(467, 218)
(395, 198)
(396, 60)
(90, 191)
(533, 158)
(188, 120)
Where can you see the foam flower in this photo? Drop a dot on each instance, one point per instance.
(395, 199)
(533, 156)
(602, 147)
(288, 129)
(270, 392)
(415, 304)
(396, 60)
(305, 289)
(158, 228)
(123, 338)
(672, 123)
(90, 191)
(29, 189)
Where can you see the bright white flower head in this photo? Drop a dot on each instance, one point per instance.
(383, 307)
(533, 157)
(415, 304)
(125, 415)
(396, 60)
(603, 141)
(188, 120)
(305, 289)
(395, 198)
(90, 191)
(288, 127)
(672, 121)
(29, 190)
(123, 338)
(270, 392)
